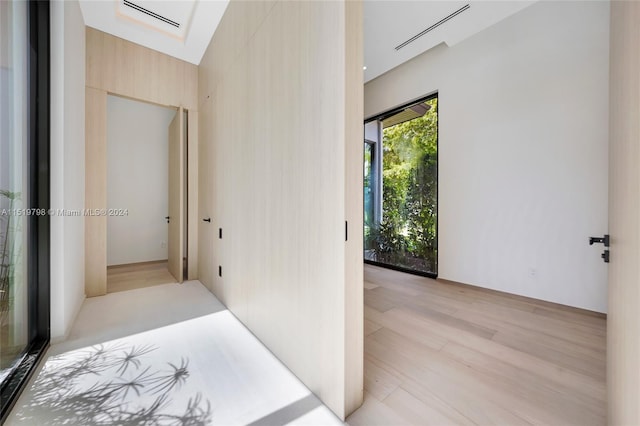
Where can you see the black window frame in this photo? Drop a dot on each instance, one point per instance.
(38, 245)
(389, 113)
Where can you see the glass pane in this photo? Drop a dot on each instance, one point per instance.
(14, 335)
(406, 237)
(368, 193)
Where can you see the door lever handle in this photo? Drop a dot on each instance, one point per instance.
(167, 217)
(207, 220)
(601, 240)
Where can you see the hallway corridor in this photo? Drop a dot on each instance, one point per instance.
(168, 354)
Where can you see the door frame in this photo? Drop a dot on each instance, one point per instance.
(176, 247)
(623, 318)
(96, 188)
(380, 149)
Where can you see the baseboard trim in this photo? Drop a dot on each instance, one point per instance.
(59, 339)
(526, 299)
(124, 265)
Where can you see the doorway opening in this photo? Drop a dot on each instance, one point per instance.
(401, 188)
(146, 194)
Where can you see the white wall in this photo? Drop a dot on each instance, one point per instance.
(137, 180)
(67, 163)
(523, 150)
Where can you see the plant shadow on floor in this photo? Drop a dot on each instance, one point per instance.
(111, 385)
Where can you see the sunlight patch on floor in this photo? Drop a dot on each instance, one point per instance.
(205, 370)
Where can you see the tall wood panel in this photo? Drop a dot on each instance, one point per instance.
(175, 240)
(205, 197)
(623, 321)
(96, 198)
(193, 213)
(354, 202)
(119, 67)
(281, 98)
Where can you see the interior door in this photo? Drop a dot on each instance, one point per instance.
(176, 197)
(206, 224)
(623, 320)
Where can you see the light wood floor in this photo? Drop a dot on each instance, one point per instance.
(137, 275)
(439, 353)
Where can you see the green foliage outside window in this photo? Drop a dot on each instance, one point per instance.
(407, 234)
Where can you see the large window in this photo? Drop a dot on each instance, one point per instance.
(401, 188)
(24, 193)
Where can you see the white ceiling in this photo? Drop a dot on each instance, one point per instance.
(196, 22)
(388, 23)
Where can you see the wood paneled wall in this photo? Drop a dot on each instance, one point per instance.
(124, 68)
(119, 67)
(354, 202)
(280, 173)
(193, 219)
(95, 239)
(623, 321)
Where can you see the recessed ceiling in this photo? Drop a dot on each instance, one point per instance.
(179, 28)
(422, 25)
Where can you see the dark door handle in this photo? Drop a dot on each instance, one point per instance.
(167, 217)
(207, 220)
(600, 240)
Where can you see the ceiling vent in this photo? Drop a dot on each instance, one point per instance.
(432, 27)
(151, 14)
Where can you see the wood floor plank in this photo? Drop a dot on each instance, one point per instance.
(453, 383)
(476, 408)
(377, 301)
(562, 356)
(137, 275)
(416, 299)
(375, 413)
(560, 398)
(430, 413)
(370, 327)
(378, 381)
(552, 373)
(541, 322)
(571, 338)
(444, 353)
(370, 286)
(584, 318)
(412, 330)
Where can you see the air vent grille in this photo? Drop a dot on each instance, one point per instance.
(150, 13)
(433, 27)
